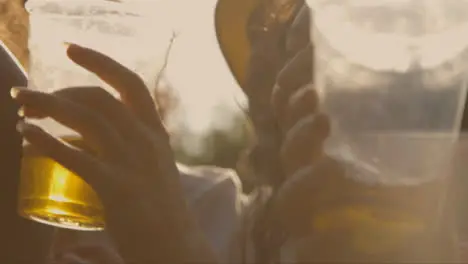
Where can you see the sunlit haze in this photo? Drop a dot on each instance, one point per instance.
(196, 69)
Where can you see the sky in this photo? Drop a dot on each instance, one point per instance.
(197, 70)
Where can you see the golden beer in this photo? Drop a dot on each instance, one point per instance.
(53, 195)
(357, 221)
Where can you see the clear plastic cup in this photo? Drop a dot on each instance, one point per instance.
(391, 75)
(127, 31)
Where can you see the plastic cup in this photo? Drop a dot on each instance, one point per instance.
(391, 75)
(127, 31)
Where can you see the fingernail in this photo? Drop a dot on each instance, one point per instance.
(68, 44)
(21, 126)
(21, 111)
(14, 91)
(298, 95)
(295, 130)
(276, 88)
(73, 50)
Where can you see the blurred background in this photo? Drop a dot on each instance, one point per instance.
(204, 107)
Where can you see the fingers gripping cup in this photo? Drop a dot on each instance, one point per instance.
(129, 32)
(391, 74)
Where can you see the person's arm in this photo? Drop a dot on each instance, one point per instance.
(214, 196)
(135, 174)
(18, 235)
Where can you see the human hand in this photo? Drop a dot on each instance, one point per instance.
(289, 154)
(135, 174)
(304, 129)
(330, 213)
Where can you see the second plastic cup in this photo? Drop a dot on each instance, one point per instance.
(391, 75)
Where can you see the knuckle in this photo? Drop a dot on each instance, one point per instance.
(296, 73)
(99, 92)
(300, 128)
(83, 94)
(134, 80)
(97, 95)
(305, 94)
(276, 99)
